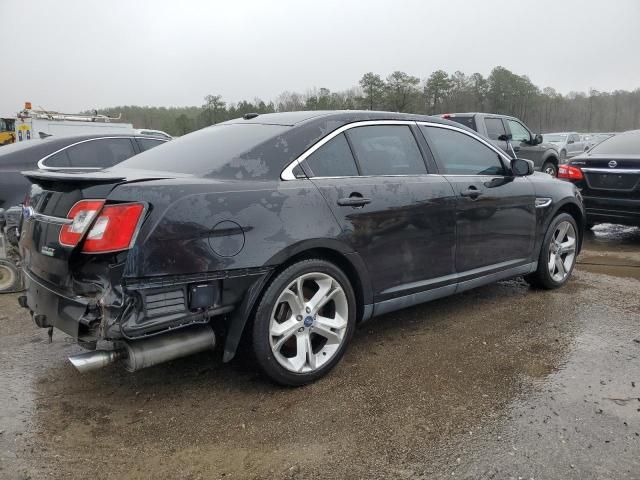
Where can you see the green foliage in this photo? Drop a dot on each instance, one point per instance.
(502, 91)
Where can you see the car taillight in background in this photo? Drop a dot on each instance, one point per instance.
(113, 230)
(570, 173)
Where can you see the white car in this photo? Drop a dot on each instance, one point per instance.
(569, 144)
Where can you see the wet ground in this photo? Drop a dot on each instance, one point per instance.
(501, 382)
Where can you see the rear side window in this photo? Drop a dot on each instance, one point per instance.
(59, 160)
(211, 150)
(148, 143)
(495, 128)
(460, 154)
(623, 144)
(386, 150)
(101, 153)
(333, 159)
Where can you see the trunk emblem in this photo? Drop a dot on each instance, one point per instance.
(613, 164)
(48, 251)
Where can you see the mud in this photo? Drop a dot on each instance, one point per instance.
(500, 382)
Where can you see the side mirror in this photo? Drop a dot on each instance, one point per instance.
(504, 137)
(537, 139)
(521, 167)
(569, 142)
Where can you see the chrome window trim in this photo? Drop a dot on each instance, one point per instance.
(610, 170)
(287, 173)
(42, 166)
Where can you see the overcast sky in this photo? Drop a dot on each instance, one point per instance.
(75, 55)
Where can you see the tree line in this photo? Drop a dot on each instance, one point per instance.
(504, 92)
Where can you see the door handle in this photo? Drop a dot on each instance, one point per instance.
(471, 192)
(354, 201)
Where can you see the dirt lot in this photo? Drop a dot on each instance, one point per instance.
(500, 382)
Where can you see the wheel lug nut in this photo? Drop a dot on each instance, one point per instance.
(308, 310)
(299, 318)
(301, 329)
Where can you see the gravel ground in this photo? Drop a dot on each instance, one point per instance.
(500, 382)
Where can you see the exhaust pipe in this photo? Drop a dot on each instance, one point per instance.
(152, 351)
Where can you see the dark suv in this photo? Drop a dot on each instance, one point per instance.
(295, 226)
(525, 144)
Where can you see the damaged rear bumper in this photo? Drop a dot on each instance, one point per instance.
(142, 308)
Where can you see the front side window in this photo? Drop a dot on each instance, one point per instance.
(518, 132)
(100, 153)
(460, 154)
(495, 128)
(386, 150)
(333, 159)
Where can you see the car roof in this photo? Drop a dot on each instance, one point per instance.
(344, 116)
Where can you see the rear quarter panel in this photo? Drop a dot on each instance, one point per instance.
(209, 225)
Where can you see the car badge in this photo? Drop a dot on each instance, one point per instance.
(613, 164)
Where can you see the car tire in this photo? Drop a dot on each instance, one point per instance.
(544, 276)
(9, 277)
(550, 168)
(294, 341)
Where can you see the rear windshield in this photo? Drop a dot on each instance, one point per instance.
(624, 144)
(466, 121)
(208, 150)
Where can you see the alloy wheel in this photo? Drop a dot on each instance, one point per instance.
(308, 322)
(562, 251)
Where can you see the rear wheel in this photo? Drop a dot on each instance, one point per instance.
(557, 255)
(9, 277)
(304, 322)
(550, 168)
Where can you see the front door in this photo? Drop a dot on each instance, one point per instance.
(400, 220)
(523, 144)
(495, 213)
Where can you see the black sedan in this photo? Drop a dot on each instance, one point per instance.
(291, 228)
(608, 177)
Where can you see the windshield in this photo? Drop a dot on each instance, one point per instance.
(554, 138)
(6, 125)
(210, 150)
(624, 144)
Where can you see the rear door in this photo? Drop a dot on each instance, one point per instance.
(496, 218)
(399, 219)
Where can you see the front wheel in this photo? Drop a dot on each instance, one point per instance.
(557, 255)
(304, 322)
(550, 168)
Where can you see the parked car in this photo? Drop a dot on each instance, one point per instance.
(569, 144)
(499, 128)
(82, 153)
(294, 226)
(608, 176)
(78, 152)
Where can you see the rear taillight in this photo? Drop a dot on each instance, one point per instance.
(570, 173)
(82, 214)
(114, 229)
